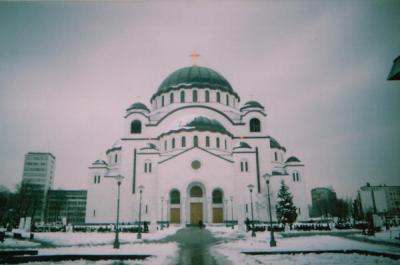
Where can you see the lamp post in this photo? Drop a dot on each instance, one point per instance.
(251, 187)
(232, 210)
(139, 234)
(225, 210)
(272, 242)
(118, 178)
(162, 210)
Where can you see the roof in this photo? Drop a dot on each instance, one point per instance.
(202, 123)
(242, 145)
(292, 159)
(194, 76)
(99, 162)
(138, 105)
(273, 143)
(395, 72)
(252, 104)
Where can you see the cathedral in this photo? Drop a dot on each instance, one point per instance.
(196, 153)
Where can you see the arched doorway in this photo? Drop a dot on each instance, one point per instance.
(218, 206)
(175, 207)
(196, 194)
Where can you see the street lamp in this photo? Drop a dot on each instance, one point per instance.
(141, 188)
(251, 187)
(118, 178)
(162, 210)
(225, 210)
(232, 210)
(272, 242)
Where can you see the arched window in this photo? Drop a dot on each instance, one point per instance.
(196, 191)
(162, 101)
(195, 141)
(217, 142)
(95, 179)
(171, 97)
(227, 99)
(173, 143)
(217, 196)
(98, 179)
(207, 96)
(276, 156)
(194, 95)
(182, 96)
(218, 97)
(244, 166)
(183, 141)
(116, 158)
(207, 141)
(147, 166)
(136, 127)
(226, 145)
(295, 176)
(175, 197)
(255, 125)
(165, 145)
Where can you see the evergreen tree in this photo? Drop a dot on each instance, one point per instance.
(286, 211)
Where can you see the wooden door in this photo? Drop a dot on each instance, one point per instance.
(175, 215)
(196, 212)
(218, 214)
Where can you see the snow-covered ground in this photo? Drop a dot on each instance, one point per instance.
(384, 236)
(13, 243)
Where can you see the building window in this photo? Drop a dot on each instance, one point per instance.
(218, 97)
(247, 208)
(217, 142)
(145, 167)
(207, 96)
(195, 141)
(146, 209)
(276, 156)
(173, 143)
(194, 95)
(149, 167)
(116, 158)
(94, 213)
(175, 197)
(136, 127)
(217, 196)
(207, 141)
(244, 166)
(226, 145)
(196, 192)
(295, 177)
(183, 141)
(255, 125)
(171, 97)
(165, 145)
(227, 99)
(162, 101)
(182, 96)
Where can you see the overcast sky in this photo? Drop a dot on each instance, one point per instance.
(68, 71)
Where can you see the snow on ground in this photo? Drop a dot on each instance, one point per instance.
(13, 243)
(60, 239)
(384, 236)
(244, 242)
(163, 253)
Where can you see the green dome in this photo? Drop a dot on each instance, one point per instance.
(194, 76)
(201, 124)
(292, 159)
(252, 104)
(138, 105)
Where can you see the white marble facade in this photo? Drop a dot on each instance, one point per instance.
(195, 151)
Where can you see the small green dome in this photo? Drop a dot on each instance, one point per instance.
(243, 145)
(100, 162)
(252, 104)
(138, 105)
(275, 145)
(201, 124)
(194, 76)
(293, 159)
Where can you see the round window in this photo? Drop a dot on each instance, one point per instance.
(196, 164)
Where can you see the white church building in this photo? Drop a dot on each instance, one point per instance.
(193, 152)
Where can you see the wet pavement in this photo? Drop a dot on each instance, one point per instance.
(194, 246)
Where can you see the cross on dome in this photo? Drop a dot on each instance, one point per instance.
(194, 56)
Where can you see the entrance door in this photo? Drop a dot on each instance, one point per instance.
(175, 215)
(196, 212)
(218, 215)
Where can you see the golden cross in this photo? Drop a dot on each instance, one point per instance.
(194, 56)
